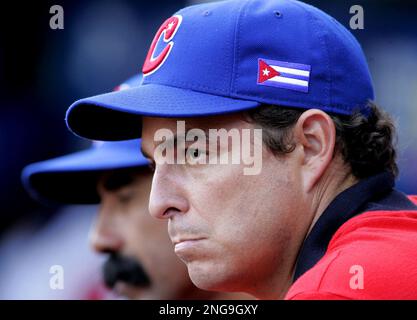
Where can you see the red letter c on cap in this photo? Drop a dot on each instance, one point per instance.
(168, 30)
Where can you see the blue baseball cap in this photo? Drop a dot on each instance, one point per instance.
(73, 178)
(230, 56)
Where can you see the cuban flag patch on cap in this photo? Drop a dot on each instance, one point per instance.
(286, 75)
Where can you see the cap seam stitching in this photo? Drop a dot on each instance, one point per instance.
(236, 59)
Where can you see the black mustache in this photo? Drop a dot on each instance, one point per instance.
(125, 269)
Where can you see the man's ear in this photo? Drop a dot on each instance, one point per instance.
(315, 132)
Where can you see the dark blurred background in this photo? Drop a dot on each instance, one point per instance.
(42, 71)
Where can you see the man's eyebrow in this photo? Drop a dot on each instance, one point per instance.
(205, 131)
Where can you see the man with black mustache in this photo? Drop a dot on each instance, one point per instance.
(141, 263)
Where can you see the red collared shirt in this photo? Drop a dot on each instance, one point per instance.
(363, 247)
(372, 256)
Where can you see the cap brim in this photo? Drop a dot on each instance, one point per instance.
(117, 115)
(72, 179)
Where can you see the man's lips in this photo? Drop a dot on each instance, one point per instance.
(183, 244)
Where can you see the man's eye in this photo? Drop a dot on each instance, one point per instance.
(125, 197)
(195, 155)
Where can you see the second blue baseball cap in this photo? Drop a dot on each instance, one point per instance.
(230, 56)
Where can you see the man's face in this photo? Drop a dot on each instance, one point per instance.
(233, 231)
(142, 264)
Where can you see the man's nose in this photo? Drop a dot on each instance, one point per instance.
(167, 197)
(104, 236)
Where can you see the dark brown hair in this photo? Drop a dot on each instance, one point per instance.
(366, 142)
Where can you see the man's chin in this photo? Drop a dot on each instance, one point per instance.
(203, 277)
